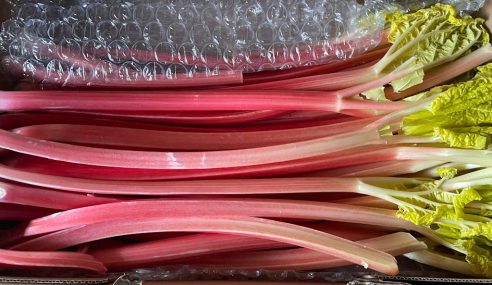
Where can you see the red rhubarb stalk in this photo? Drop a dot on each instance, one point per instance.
(11, 212)
(30, 259)
(44, 198)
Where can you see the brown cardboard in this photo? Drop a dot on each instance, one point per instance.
(486, 13)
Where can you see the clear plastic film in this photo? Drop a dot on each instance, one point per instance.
(154, 43)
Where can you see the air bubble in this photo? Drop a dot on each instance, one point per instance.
(254, 15)
(256, 53)
(301, 13)
(78, 75)
(54, 13)
(276, 13)
(200, 69)
(143, 13)
(176, 70)
(333, 29)
(244, 35)
(29, 11)
(12, 27)
(288, 65)
(44, 49)
(154, 33)
(142, 52)
(278, 53)
(84, 30)
(165, 53)
(107, 31)
(310, 32)
(94, 50)
(130, 71)
(265, 33)
(153, 71)
(188, 54)
(58, 31)
(56, 71)
(17, 48)
(120, 13)
(187, 15)
(118, 51)
(34, 29)
(300, 52)
(177, 33)
(75, 14)
(166, 15)
(33, 69)
(288, 31)
(246, 68)
(223, 35)
(211, 16)
(97, 12)
(200, 34)
(211, 54)
(104, 71)
(130, 32)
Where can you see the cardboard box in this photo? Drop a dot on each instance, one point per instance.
(411, 272)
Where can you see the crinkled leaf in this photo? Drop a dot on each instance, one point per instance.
(405, 82)
(424, 122)
(417, 216)
(446, 172)
(376, 94)
(462, 139)
(479, 229)
(460, 115)
(484, 71)
(480, 256)
(465, 197)
(463, 96)
(433, 36)
(448, 231)
(435, 204)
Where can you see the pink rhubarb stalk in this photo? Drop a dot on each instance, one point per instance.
(58, 168)
(205, 100)
(253, 227)
(175, 140)
(193, 187)
(304, 259)
(158, 252)
(205, 118)
(306, 210)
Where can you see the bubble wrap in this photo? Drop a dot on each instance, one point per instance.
(84, 41)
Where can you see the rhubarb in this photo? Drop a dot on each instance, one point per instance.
(254, 227)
